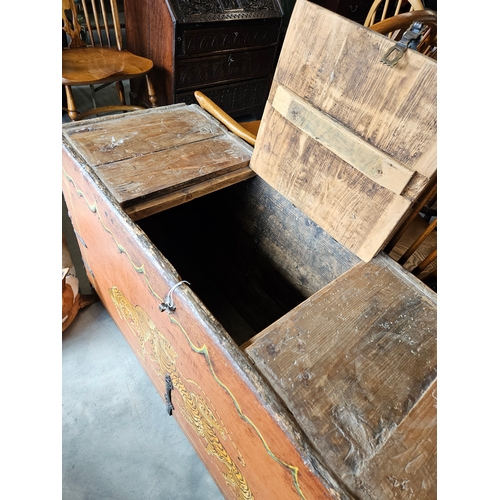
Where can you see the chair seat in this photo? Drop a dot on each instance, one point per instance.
(90, 65)
(252, 127)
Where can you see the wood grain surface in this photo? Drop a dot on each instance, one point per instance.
(354, 364)
(154, 154)
(372, 162)
(338, 77)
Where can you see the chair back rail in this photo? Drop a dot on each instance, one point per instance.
(394, 27)
(372, 13)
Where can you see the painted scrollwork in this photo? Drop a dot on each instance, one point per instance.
(194, 407)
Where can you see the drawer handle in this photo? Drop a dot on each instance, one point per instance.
(169, 387)
(169, 301)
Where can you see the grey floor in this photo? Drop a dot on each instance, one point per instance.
(117, 440)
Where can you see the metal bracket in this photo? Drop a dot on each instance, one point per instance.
(169, 388)
(410, 39)
(169, 301)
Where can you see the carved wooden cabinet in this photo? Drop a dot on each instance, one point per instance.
(225, 48)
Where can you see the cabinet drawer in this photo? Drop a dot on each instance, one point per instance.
(194, 73)
(236, 98)
(205, 41)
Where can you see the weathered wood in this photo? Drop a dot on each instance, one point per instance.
(306, 256)
(151, 156)
(161, 203)
(351, 362)
(361, 155)
(407, 468)
(238, 425)
(339, 400)
(338, 74)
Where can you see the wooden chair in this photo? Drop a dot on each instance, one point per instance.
(379, 12)
(96, 56)
(245, 130)
(414, 245)
(395, 26)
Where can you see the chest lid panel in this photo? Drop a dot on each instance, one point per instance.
(356, 365)
(347, 139)
(151, 154)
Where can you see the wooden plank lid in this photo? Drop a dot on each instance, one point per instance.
(346, 138)
(156, 158)
(356, 365)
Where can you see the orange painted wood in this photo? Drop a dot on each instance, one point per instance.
(237, 424)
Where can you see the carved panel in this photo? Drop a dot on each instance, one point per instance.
(224, 68)
(195, 42)
(219, 10)
(235, 97)
(180, 33)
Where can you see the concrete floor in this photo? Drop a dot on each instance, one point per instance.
(118, 441)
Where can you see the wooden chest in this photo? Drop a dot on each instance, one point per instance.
(298, 359)
(227, 49)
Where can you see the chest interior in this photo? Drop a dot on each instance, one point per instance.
(248, 253)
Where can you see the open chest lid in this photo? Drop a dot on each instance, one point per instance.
(348, 139)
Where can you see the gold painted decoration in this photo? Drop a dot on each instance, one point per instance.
(194, 409)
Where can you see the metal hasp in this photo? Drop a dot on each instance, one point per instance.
(410, 39)
(169, 387)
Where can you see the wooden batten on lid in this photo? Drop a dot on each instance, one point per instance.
(347, 139)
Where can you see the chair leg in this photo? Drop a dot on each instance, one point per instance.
(121, 92)
(72, 111)
(92, 93)
(151, 92)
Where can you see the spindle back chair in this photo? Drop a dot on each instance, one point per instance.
(95, 55)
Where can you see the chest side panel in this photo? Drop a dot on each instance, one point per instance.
(237, 424)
